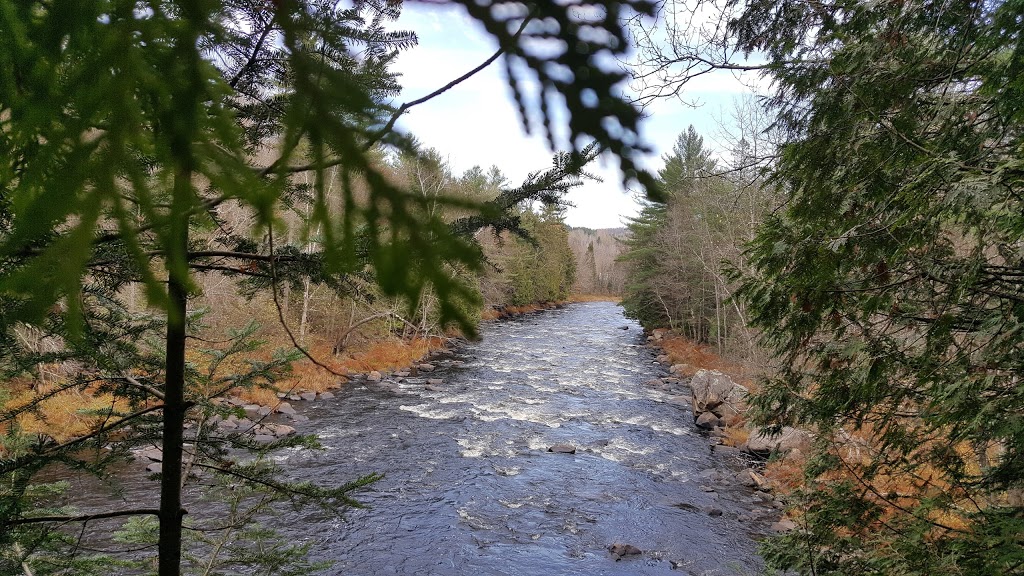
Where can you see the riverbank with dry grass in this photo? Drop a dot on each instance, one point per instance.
(54, 407)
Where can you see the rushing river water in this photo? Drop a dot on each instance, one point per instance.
(471, 489)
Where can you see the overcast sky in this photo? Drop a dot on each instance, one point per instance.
(476, 123)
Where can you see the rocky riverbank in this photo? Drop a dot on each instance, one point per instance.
(718, 406)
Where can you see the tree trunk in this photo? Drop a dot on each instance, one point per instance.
(305, 309)
(171, 512)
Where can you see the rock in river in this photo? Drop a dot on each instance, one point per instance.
(563, 449)
(620, 550)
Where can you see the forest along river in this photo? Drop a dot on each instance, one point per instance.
(470, 487)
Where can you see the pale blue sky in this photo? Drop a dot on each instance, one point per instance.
(477, 123)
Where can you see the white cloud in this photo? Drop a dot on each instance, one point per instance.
(477, 123)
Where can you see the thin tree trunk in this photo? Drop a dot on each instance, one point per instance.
(305, 308)
(171, 512)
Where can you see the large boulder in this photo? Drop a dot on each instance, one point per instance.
(707, 421)
(762, 443)
(716, 392)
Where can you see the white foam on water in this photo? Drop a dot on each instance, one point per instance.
(508, 471)
(471, 448)
(522, 413)
(428, 411)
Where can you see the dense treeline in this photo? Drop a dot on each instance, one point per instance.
(887, 286)
(598, 271)
(678, 248)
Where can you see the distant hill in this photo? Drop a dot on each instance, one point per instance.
(595, 252)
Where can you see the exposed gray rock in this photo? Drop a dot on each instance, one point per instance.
(264, 411)
(155, 468)
(326, 395)
(784, 525)
(681, 369)
(749, 478)
(279, 429)
(285, 408)
(713, 390)
(726, 451)
(563, 449)
(761, 443)
(264, 438)
(425, 367)
(374, 376)
(435, 381)
(715, 512)
(294, 397)
(151, 454)
(433, 388)
(707, 420)
(308, 396)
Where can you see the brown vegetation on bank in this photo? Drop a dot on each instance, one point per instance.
(74, 412)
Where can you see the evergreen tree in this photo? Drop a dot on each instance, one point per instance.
(129, 127)
(890, 286)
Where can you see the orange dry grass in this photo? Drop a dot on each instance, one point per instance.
(390, 354)
(735, 434)
(62, 416)
(895, 490)
(698, 356)
(306, 375)
(786, 474)
(489, 314)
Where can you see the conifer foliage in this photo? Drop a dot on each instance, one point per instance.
(890, 287)
(128, 127)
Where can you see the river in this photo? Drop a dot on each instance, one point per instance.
(470, 487)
